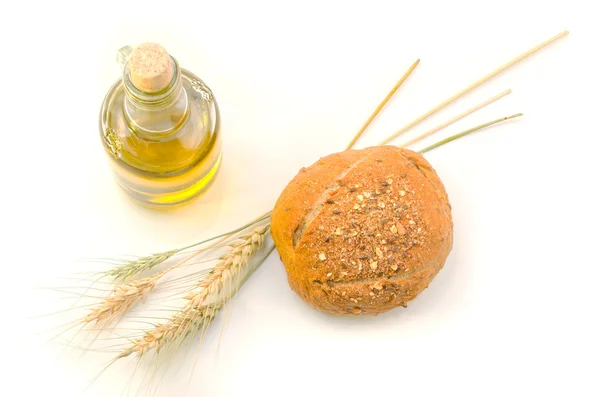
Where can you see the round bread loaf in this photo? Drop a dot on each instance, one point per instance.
(363, 231)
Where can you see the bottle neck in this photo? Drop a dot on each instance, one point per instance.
(156, 115)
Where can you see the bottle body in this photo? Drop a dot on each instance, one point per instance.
(164, 148)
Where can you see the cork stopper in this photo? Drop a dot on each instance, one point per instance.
(150, 68)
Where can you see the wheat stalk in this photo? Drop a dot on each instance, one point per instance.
(473, 86)
(198, 312)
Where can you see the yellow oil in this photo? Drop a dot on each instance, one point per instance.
(164, 167)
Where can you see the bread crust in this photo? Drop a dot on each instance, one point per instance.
(361, 232)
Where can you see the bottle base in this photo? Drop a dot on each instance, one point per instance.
(175, 199)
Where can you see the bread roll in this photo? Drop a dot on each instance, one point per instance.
(363, 231)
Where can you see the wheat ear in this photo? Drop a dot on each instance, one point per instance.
(198, 312)
(127, 269)
(131, 268)
(122, 298)
(229, 266)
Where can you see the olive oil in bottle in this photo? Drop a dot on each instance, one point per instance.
(159, 125)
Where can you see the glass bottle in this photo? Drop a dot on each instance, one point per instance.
(159, 125)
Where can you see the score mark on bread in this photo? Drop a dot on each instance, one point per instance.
(318, 206)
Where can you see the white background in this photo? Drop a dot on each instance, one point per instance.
(515, 309)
